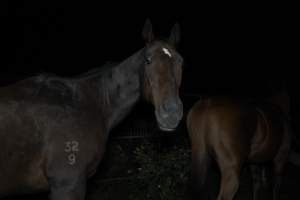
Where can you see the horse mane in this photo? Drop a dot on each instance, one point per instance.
(96, 71)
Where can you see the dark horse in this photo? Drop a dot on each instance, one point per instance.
(53, 130)
(234, 132)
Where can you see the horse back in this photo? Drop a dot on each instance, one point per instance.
(253, 131)
(221, 121)
(44, 87)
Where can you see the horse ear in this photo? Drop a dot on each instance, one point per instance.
(175, 35)
(147, 32)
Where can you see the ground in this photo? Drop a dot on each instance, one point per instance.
(113, 180)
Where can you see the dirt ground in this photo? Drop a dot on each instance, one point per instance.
(110, 183)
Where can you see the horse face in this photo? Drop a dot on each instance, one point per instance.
(163, 70)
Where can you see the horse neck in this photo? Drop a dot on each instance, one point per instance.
(120, 89)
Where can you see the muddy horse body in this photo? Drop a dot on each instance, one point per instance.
(53, 130)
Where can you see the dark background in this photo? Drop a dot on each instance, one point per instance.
(238, 49)
(224, 47)
(245, 50)
(228, 48)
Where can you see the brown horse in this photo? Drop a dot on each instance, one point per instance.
(53, 130)
(234, 132)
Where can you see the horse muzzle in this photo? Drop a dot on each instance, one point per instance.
(169, 115)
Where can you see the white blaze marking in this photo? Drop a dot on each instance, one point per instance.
(166, 51)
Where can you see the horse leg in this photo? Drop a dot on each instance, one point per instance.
(230, 162)
(66, 181)
(278, 165)
(277, 173)
(260, 181)
(256, 181)
(229, 182)
(203, 180)
(280, 161)
(67, 189)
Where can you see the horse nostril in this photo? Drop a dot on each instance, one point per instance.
(170, 113)
(172, 108)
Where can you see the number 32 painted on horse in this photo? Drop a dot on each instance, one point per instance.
(71, 148)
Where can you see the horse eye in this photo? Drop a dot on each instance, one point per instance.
(148, 61)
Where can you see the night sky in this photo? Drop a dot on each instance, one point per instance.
(225, 49)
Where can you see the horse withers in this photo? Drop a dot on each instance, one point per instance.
(53, 130)
(233, 132)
